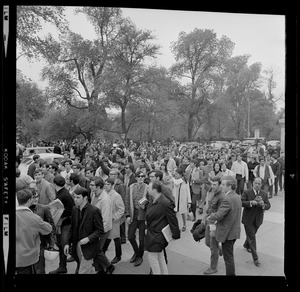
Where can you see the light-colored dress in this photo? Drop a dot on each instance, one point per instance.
(182, 195)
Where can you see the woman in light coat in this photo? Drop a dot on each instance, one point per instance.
(182, 195)
(118, 210)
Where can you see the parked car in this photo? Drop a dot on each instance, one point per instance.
(37, 150)
(253, 141)
(48, 157)
(273, 143)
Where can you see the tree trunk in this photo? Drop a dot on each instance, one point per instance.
(190, 127)
(123, 121)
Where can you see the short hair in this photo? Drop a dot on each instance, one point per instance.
(156, 185)
(54, 166)
(137, 153)
(274, 156)
(157, 173)
(131, 166)
(139, 172)
(35, 157)
(82, 191)
(77, 165)
(74, 177)
(230, 181)
(114, 171)
(20, 184)
(23, 196)
(114, 165)
(37, 170)
(89, 169)
(67, 160)
(42, 162)
(59, 181)
(110, 181)
(99, 182)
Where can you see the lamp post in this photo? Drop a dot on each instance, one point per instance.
(248, 117)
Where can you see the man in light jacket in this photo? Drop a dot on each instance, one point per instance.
(29, 226)
(228, 218)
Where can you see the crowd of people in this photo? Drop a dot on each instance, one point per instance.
(110, 190)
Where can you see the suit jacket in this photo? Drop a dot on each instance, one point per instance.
(91, 226)
(254, 214)
(228, 218)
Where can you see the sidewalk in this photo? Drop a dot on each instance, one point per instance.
(187, 257)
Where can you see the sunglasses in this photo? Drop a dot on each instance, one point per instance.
(141, 176)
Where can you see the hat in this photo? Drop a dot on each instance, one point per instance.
(115, 145)
(230, 179)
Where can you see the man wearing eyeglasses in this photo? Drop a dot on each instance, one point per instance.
(136, 215)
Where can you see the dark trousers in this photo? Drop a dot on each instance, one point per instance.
(118, 248)
(194, 203)
(40, 265)
(274, 187)
(101, 262)
(61, 241)
(132, 227)
(250, 242)
(240, 184)
(26, 270)
(227, 248)
(122, 231)
(213, 244)
(280, 181)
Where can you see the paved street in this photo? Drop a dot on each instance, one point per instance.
(187, 257)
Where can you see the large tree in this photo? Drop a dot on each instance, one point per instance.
(128, 74)
(30, 20)
(242, 86)
(199, 56)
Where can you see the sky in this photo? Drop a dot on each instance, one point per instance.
(259, 35)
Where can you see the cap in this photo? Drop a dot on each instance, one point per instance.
(115, 145)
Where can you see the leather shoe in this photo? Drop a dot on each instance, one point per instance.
(257, 263)
(110, 269)
(115, 260)
(138, 262)
(123, 240)
(59, 270)
(210, 271)
(70, 259)
(133, 258)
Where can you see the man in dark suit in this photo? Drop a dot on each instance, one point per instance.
(228, 219)
(85, 232)
(254, 201)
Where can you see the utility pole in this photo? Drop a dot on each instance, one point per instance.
(248, 117)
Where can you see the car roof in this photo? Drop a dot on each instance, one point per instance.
(47, 155)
